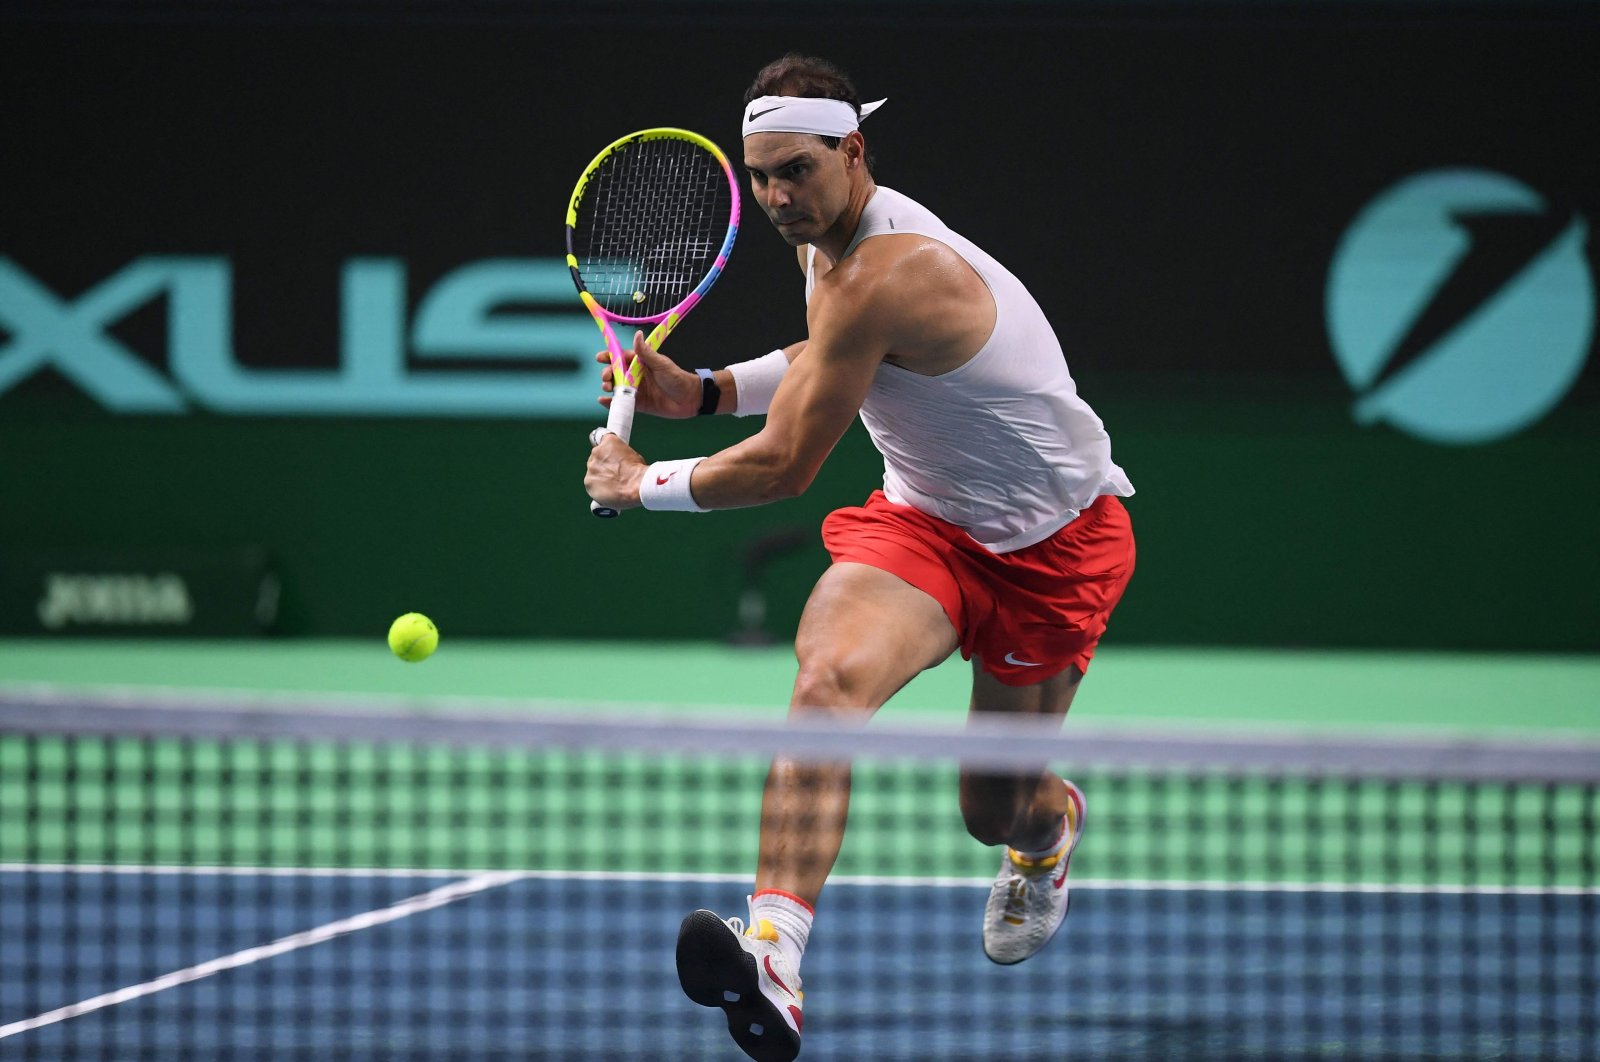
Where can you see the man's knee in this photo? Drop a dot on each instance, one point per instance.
(833, 682)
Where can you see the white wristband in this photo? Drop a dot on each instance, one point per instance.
(756, 381)
(665, 486)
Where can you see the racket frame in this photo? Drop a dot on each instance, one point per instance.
(625, 377)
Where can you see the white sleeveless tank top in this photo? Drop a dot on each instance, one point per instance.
(1002, 446)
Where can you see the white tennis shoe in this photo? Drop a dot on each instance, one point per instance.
(1028, 900)
(721, 963)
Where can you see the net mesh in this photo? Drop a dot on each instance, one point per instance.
(194, 882)
(649, 226)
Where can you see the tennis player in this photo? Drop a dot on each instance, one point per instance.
(998, 530)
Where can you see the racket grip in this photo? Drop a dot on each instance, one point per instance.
(619, 422)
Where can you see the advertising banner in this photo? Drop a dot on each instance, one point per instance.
(1327, 271)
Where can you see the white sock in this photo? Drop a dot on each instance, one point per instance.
(790, 916)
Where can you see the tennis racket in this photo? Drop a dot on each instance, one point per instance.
(649, 229)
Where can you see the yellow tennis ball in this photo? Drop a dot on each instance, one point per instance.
(413, 637)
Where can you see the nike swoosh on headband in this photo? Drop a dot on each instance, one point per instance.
(805, 114)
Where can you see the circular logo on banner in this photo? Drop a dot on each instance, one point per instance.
(1460, 306)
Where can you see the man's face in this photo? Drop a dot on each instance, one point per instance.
(801, 184)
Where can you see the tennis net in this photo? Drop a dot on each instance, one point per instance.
(190, 876)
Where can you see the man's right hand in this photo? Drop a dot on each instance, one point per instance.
(664, 391)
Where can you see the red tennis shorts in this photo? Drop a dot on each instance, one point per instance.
(1028, 614)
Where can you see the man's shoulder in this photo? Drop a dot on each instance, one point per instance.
(889, 266)
(870, 271)
(892, 249)
(891, 290)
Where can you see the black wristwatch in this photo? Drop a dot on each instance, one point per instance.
(710, 393)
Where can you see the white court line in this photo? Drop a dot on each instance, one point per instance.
(237, 871)
(866, 880)
(411, 905)
(482, 881)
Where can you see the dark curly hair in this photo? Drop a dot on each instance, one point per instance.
(807, 75)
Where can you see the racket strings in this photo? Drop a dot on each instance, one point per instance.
(650, 226)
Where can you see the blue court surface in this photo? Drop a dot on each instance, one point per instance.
(562, 967)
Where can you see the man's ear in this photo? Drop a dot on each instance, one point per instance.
(855, 148)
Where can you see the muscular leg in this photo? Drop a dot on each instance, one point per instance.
(863, 635)
(1022, 810)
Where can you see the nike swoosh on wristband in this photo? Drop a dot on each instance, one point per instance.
(661, 481)
(757, 114)
(1011, 658)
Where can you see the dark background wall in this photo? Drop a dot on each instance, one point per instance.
(1172, 181)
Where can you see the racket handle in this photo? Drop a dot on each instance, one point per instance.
(619, 422)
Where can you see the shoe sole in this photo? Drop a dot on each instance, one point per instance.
(712, 967)
(1077, 835)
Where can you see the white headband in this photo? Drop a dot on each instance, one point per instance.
(804, 114)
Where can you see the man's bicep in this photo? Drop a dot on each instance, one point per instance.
(810, 413)
(828, 379)
(823, 391)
